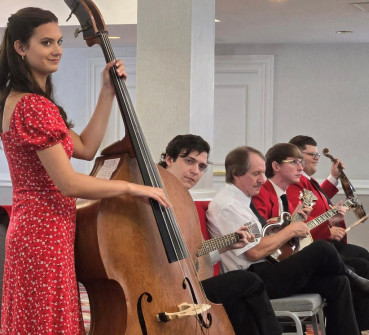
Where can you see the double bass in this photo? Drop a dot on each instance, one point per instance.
(136, 259)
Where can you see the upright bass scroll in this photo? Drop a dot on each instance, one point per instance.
(347, 187)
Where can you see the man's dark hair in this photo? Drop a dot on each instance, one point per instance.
(237, 162)
(301, 141)
(278, 153)
(183, 145)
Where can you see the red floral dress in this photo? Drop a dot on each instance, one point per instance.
(40, 294)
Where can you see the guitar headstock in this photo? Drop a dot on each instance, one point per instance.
(308, 198)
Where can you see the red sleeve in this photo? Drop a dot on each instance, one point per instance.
(38, 123)
(329, 188)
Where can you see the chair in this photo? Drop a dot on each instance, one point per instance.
(301, 308)
(202, 207)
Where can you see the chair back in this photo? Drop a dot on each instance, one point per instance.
(202, 207)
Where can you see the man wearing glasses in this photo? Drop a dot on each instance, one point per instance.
(334, 229)
(284, 165)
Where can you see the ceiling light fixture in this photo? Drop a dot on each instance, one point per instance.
(114, 37)
(344, 32)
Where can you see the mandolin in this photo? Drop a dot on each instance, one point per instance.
(275, 225)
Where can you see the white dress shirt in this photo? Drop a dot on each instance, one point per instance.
(227, 212)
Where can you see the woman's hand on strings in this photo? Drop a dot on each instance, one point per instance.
(154, 193)
(119, 69)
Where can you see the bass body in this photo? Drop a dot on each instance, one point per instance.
(122, 263)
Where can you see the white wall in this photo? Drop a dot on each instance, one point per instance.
(322, 91)
(319, 90)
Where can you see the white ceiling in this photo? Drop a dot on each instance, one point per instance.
(242, 21)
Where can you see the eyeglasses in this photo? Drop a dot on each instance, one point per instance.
(312, 154)
(294, 162)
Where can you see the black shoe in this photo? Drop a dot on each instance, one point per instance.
(357, 283)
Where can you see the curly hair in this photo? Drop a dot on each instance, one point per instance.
(183, 145)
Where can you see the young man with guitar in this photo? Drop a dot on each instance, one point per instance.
(316, 269)
(241, 292)
(333, 228)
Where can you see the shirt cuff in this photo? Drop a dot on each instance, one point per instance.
(214, 257)
(332, 180)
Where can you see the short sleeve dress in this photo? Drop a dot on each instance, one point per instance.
(40, 294)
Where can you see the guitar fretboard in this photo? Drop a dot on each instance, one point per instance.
(327, 215)
(217, 243)
(321, 218)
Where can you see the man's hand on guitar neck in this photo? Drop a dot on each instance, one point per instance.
(245, 237)
(304, 211)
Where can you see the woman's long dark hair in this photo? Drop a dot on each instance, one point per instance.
(14, 71)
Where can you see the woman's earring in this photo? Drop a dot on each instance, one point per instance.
(22, 57)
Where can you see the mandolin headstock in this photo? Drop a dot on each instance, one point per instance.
(308, 198)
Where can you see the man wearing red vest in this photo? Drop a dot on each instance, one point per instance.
(284, 165)
(334, 229)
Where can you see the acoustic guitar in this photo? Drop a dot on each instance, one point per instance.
(275, 225)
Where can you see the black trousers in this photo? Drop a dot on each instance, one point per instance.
(243, 296)
(317, 268)
(357, 258)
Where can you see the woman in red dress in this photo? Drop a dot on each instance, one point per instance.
(40, 294)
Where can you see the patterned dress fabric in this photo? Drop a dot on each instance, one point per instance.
(40, 293)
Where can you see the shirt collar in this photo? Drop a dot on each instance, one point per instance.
(239, 193)
(306, 175)
(277, 189)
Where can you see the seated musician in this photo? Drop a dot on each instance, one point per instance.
(284, 165)
(334, 229)
(242, 293)
(315, 269)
